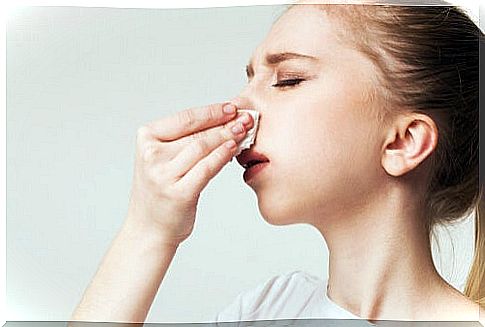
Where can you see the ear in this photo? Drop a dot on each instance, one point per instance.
(411, 139)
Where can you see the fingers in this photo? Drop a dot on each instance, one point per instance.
(207, 142)
(199, 176)
(215, 135)
(190, 121)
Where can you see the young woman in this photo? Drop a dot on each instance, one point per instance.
(369, 132)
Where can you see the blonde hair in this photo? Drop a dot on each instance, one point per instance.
(475, 283)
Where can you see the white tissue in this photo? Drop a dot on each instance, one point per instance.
(248, 140)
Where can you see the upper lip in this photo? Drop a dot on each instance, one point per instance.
(248, 156)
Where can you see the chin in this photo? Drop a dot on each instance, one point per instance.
(278, 213)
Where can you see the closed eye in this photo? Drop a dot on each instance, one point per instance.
(288, 82)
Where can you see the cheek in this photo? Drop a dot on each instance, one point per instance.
(315, 140)
(327, 153)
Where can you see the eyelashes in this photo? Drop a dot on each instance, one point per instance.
(288, 82)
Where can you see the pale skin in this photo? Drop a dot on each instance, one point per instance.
(365, 201)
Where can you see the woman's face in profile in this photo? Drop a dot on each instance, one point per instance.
(320, 135)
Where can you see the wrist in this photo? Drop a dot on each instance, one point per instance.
(149, 234)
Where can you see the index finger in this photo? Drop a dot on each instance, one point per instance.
(191, 120)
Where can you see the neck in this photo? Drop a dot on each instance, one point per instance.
(381, 265)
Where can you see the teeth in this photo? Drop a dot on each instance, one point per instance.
(251, 163)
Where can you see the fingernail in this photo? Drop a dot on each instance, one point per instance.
(237, 129)
(229, 109)
(244, 118)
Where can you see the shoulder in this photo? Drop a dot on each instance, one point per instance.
(271, 297)
(287, 282)
(455, 306)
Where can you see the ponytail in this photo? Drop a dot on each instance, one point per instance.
(475, 284)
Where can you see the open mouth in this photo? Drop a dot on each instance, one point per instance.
(251, 158)
(252, 163)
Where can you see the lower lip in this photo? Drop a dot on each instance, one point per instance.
(253, 170)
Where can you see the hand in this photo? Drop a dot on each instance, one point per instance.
(175, 159)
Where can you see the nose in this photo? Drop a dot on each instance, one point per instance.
(246, 98)
(241, 103)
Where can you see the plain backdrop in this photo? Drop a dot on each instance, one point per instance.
(80, 81)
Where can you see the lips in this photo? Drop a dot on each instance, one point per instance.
(250, 158)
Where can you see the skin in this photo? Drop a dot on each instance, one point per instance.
(333, 165)
(356, 179)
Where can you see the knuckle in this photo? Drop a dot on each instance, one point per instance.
(206, 171)
(212, 115)
(219, 155)
(201, 147)
(223, 155)
(159, 179)
(150, 153)
(197, 136)
(186, 118)
(153, 177)
(142, 134)
(157, 182)
(160, 182)
(226, 134)
(143, 131)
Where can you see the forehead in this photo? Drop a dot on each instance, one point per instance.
(303, 28)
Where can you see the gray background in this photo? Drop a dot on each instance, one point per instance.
(79, 83)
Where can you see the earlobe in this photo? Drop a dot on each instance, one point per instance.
(410, 141)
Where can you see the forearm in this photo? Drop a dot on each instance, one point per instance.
(128, 278)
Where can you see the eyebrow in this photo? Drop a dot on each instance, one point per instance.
(276, 58)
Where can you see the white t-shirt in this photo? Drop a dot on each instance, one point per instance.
(295, 295)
